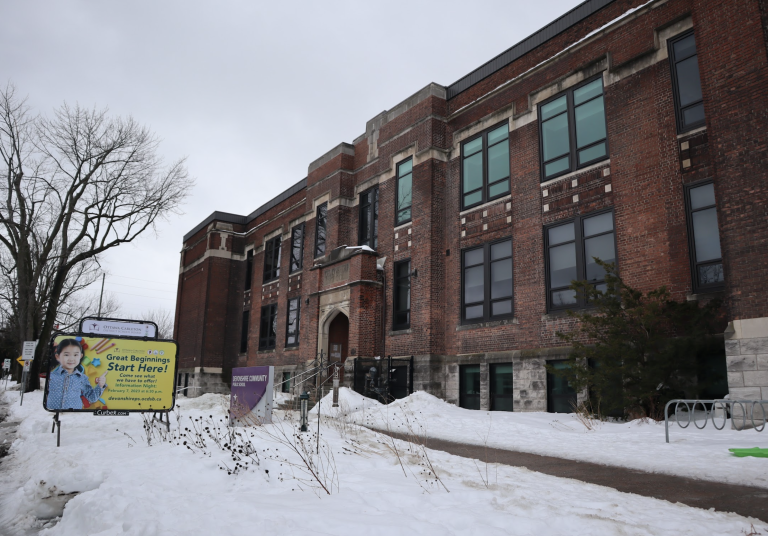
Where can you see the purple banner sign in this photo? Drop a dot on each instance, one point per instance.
(251, 398)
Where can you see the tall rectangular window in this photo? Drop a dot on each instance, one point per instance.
(485, 167)
(560, 395)
(297, 247)
(402, 295)
(686, 82)
(271, 259)
(369, 218)
(244, 332)
(268, 327)
(404, 199)
(469, 386)
(248, 269)
(573, 130)
(502, 387)
(571, 251)
(286, 384)
(487, 282)
(320, 229)
(704, 237)
(292, 326)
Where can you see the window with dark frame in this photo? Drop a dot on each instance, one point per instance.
(297, 247)
(573, 130)
(404, 199)
(320, 229)
(686, 82)
(248, 269)
(485, 167)
(570, 251)
(268, 327)
(487, 282)
(704, 237)
(286, 383)
(271, 259)
(292, 326)
(402, 295)
(244, 332)
(368, 231)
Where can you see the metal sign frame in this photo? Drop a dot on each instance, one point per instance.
(121, 320)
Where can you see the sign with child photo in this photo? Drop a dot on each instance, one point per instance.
(110, 373)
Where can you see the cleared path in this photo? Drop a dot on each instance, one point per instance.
(743, 500)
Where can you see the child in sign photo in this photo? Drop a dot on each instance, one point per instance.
(68, 382)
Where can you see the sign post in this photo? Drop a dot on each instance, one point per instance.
(6, 371)
(27, 355)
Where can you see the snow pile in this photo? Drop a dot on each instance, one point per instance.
(112, 482)
(701, 454)
(349, 402)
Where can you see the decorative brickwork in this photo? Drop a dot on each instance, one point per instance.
(642, 182)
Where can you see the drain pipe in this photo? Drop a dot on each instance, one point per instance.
(380, 266)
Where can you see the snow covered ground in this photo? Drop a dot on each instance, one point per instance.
(105, 479)
(701, 454)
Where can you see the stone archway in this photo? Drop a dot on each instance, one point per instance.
(324, 326)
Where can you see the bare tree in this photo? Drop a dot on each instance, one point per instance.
(83, 305)
(163, 319)
(75, 185)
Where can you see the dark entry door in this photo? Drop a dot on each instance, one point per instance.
(469, 386)
(338, 340)
(501, 387)
(560, 395)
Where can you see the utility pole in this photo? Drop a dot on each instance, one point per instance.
(103, 276)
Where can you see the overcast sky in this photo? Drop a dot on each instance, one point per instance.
(250, 92)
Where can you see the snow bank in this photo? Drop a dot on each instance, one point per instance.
(107, 481)
(349, 402)
(701, 454)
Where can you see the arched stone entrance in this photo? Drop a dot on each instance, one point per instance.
(333, 335)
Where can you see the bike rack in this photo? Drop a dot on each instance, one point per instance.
(725, 405)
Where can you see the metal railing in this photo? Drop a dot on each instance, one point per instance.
(711, 407)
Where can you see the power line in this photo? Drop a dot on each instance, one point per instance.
(141, 296)
(136, 278)
(144, 288)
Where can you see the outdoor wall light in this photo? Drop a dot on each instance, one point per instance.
(304, 398)
(415, 273)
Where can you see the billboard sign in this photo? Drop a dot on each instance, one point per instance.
(110, 373)
(118, 328)
(250, 400)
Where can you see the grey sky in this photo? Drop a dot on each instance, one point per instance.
(250, 92)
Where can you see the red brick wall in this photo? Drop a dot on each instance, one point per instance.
(646, 175)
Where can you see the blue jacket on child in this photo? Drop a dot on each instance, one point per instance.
(64, 389)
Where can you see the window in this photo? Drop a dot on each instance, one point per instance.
(686, 82)
(501, 387)
(292, 328)
(485, 167)
(404, 192)
(244, 332)
(320, 229)
(297, 247)
(469, 386)
(573, 130)
(286, 384)
(369, 218)
(402, 295)
(704, 237)
(571, 249)
(271, 259)
(268, 328)
(491, 263)
(248, 269)
(560, 395)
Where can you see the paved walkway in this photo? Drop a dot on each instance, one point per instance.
(743, 500)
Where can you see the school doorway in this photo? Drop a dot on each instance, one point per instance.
(338, 341)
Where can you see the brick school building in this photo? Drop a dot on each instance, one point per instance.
(635, 131)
